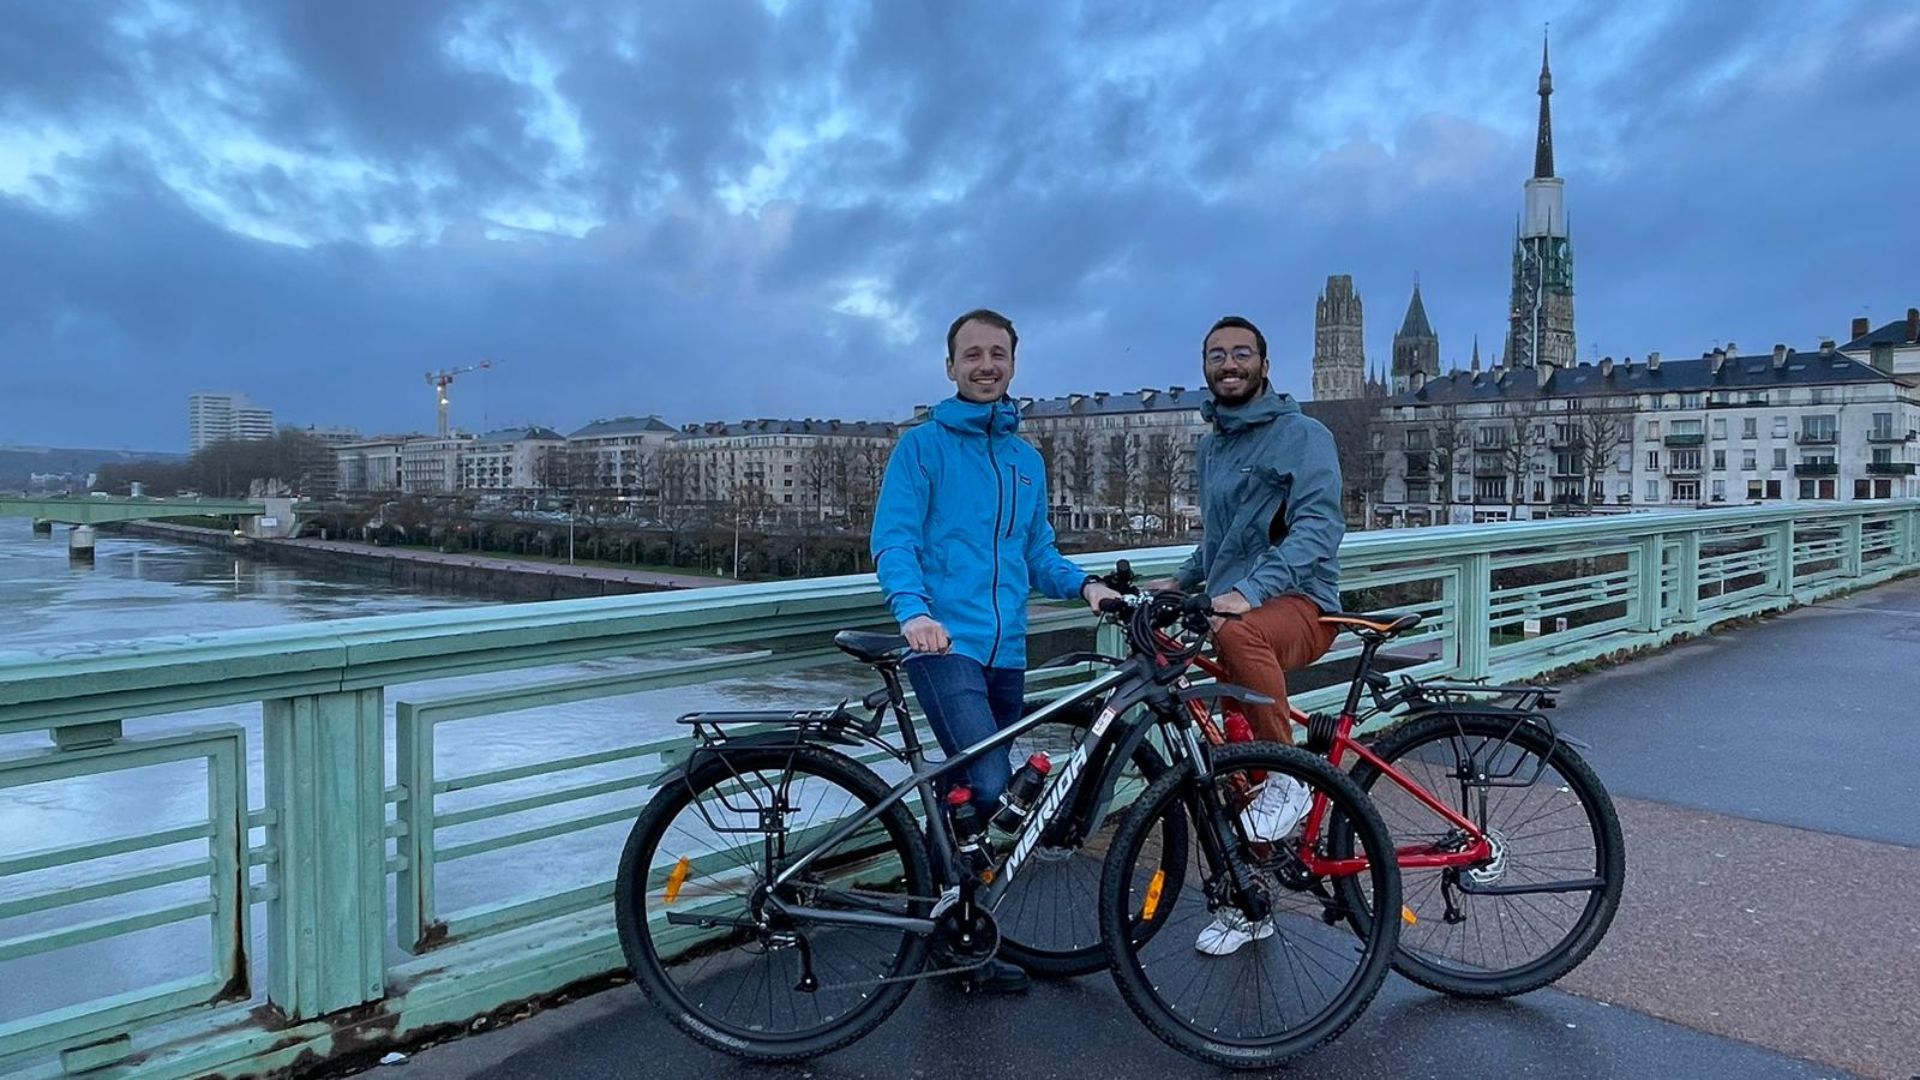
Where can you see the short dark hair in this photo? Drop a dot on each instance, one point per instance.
(1237, 322)
(991, 318)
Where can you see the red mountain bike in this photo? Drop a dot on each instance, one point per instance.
(1509, 848)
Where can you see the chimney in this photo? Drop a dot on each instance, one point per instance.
(1826, 346)
(1606, 368)
(1732, 349)
(1780, 355)
(1419, 380)
(1861, 328)
(1074, 401)
(1500, 376)
(1913, 325)
(1100, 397)
(1882, 357)
(1026, 403)
(1653, 360)
(1716, 360)
(1176, 391)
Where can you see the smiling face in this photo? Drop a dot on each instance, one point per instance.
(981, 364)
(1234, 368)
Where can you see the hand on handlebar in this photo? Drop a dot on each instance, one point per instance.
(1098, 594)
(1229, 605)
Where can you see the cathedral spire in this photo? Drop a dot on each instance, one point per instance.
(1476, 352)
(1543, 146)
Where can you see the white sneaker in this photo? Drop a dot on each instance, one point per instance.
(1229, 930)
(1278, 809)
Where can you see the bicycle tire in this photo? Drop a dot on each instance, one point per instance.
(1072, 947)
(1350, 805)
(637, 864)
(1603, 822)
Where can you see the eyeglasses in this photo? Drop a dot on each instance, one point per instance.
(1242, 353)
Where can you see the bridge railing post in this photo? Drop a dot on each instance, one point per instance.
(326, 797)
(1783, 559)
(1687, 608)
(1649, 563)
(1472, 596)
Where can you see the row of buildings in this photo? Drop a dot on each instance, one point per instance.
(1839, 421)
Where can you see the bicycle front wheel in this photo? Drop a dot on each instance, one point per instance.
(705, 946)
(1550, 891)
(1213, 982)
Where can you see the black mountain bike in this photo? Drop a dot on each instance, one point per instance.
(777, 899)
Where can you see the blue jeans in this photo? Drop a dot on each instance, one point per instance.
(965, 702)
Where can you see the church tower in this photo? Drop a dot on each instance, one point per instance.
(1339, 354)
(1541, 327)
(1416, 348)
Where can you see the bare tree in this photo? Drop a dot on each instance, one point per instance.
(1452, 442)
(818, 464)
(1119, 479)
(1080, 467)
(1160, 462)
(1599, 435)
(1354, 424)
(1523, 441)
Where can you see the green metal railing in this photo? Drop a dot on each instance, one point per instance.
(346, 853)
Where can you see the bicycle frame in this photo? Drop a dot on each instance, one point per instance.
(1408, 857)
(1052, 799)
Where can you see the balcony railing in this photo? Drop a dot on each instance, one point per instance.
(314, 781)
(1694, 439)
(1888, 435)
(1890, 468)
(1817, 468)
(1817, 438)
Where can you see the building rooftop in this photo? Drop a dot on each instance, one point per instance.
(1759, 372)
(624, 425)
(855, 429)
(521, 434)
(1101, 403)
(1897, 333)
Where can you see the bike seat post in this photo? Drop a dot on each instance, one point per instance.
(896, 695)
(1370, 644)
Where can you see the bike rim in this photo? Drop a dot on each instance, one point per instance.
(1288, 987)
(1544, 832)
(710, 860)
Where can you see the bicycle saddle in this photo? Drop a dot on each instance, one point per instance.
(1386, 622)
(871, 648)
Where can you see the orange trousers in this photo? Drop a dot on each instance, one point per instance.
(1259, 648)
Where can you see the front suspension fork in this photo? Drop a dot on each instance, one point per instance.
(1218, 844)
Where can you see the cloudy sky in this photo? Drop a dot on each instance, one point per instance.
(773, 208)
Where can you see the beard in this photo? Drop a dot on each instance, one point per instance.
(1253, 386)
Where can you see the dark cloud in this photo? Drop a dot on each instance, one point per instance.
(715, 210)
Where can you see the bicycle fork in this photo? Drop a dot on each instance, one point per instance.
(1224, 862)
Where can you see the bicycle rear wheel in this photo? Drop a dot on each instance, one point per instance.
(1049, 918)
(704, 945)
(1549, 835)
(1294, 982)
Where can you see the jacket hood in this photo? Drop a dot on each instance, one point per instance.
(973, 418)
(1265, 407)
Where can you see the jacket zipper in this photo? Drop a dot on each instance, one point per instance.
(999, 500)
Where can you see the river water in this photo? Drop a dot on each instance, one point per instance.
(142, 588)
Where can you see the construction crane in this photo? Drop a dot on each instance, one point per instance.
(440, 380)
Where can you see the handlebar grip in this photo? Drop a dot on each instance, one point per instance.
(1113, 605)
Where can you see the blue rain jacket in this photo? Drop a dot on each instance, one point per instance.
(961, 532)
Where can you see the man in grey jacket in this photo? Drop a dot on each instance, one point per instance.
(1269, 483)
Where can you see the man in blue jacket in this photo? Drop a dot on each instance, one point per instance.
(960, 542)
(1271, 525)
